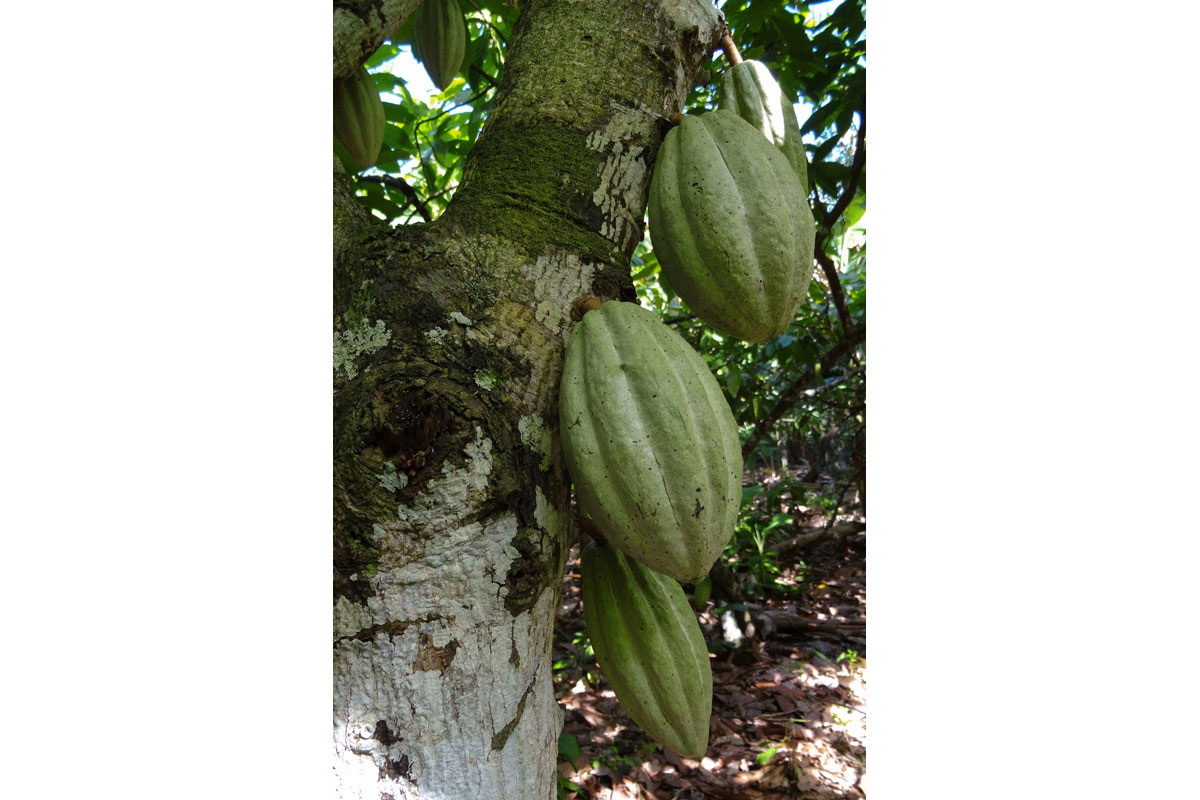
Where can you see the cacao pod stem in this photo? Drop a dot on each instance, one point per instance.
(583, 305)
(731, 51)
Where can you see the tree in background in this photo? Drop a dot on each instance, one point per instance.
(527, 187)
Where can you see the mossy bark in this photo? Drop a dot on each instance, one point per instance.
(451, 506)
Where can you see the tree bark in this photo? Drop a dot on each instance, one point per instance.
(360, 26)
(451, 507)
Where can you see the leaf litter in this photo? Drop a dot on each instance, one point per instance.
(789, 700)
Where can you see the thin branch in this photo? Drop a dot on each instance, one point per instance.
(785, 621)
(475, 6)
(677, 320)
(790, 396)
(853, 409)
(809, 535)
(435, 117)
(856, 168)
(835, 285)
(409, 192)
(837, 506)
(491, 81)
(454, 107)
(831, 218)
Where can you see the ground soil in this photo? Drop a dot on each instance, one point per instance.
(789, 700)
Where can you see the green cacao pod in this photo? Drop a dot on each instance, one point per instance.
(731, 226)
(650, 647)
(649, 441)
(440, 39)
(748, 90)
(358, 117)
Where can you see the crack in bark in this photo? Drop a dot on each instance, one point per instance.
(501, 738)
(392, 629)
(431, 658)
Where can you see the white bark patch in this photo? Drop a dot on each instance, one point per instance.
(536, 437)
(390, 479)
(433, 672)
(624, 177)
(547, 516)
(414, 716)
(700, 14)
(558, 281)
(357, 341)
(485, 380)
(447, 500)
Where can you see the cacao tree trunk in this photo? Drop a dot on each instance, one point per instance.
(451, 506)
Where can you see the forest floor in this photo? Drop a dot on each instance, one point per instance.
(789, 698)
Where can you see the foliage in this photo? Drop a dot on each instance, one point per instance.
(568, 747)
(566, 787)
(426, 143)
(580, 659)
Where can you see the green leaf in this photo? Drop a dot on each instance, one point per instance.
(386, 52)
(645, 272)
(398, 113)
(749, 493)
(816, 292)
(766, 755)
(568, 746)
(733, 380)
(855, 211)
(817, 120)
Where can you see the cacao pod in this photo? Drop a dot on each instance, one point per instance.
(440, 39)
(650, 647)
(748, 90)
(731, 225)
(649, 441)
(358, 120)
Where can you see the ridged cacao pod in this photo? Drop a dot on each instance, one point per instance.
(358, 119)
(650, 647)
(440, 39)
(731, 225)
(649, 441)
(749, 90)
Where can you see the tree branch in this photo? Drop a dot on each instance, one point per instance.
(677, 320)
(491, 25)
(835, 285)
(808, 536)
(831, 218)
(790, 396)
(491, 81)
(409, 193)
(360, 26)
(456, 106)
(856, 168)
